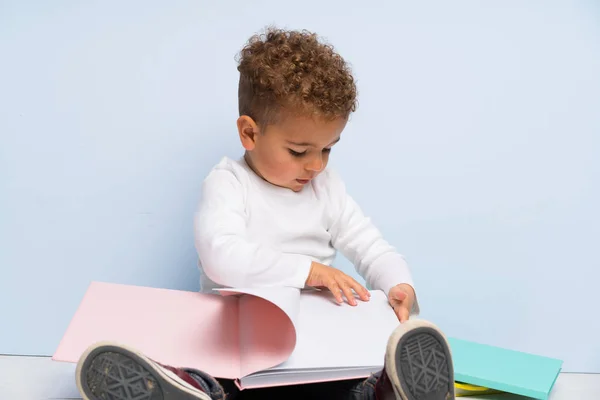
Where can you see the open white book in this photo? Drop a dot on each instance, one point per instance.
(258, 337)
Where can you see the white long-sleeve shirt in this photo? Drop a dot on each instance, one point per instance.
(250, 233)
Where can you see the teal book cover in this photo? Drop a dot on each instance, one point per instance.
(503, 369)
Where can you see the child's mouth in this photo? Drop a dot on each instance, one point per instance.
(303, 181)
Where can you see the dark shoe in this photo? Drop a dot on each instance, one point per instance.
(108, 371)
(418, 364)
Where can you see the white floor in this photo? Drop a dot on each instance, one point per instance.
(39, 378)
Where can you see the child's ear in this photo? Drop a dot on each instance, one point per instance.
(248, 130)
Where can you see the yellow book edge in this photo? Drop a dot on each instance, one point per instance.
(465, 389)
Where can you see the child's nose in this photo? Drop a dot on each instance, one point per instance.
(315, 164)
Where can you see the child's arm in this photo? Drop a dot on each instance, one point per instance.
(228, 256)
(357, 238)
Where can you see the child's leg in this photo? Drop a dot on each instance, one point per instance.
(418, 366)
(110, 371)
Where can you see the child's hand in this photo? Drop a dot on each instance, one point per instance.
(337, 282)
(402, 298)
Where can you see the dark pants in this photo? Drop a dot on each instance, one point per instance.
(356, 389)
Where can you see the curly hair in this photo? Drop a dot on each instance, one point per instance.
(292, 72)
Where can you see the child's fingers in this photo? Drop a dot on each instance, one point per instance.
(348, 294)
(400, 295)
(341, 284)
(402, 313)
(335, 289)
(360, 290)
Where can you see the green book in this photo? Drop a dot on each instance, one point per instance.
(504, 370)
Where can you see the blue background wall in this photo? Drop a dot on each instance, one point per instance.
(475, 149)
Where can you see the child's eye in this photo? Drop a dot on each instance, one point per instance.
(297, 154)
(327, 150)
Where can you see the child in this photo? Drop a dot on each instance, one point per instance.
(277, 216)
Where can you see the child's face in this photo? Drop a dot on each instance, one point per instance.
(292, 152)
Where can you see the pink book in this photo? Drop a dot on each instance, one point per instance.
(258, 337)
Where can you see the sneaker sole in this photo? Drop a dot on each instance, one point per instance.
(419, 362)
(107, 371)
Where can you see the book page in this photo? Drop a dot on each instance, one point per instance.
(332, 335)
(173, 327)
(267, 318)
(297, 377)
(285, 298)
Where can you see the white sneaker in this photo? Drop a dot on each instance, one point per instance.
(108, 371)
(418, 364)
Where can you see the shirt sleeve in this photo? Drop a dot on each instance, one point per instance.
(359, 240)
(227, 255)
